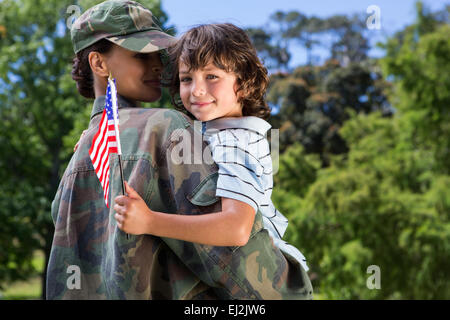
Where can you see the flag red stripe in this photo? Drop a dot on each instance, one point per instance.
(104, 167)
(99, 143)
(100, 162)
(105, 142)
(98, 133)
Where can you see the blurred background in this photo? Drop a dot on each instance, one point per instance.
(360, 93)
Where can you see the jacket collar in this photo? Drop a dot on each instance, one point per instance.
(99, 104)
(250, 122)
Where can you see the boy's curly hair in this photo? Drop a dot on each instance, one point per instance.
(228, 48)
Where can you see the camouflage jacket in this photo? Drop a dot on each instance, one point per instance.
(87, 243)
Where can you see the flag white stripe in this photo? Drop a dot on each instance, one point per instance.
(97, 157)
(101, 151)
(97, 141)
(104, 157)
(105, 179)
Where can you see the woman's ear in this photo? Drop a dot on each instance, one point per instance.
(98, 64)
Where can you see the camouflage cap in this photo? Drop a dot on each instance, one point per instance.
(125, 23)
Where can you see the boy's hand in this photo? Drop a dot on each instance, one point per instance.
(78, 142)
(132, 214)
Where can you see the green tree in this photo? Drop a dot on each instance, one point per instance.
(42, 117)
(297, 170)
(312, 102)
(417, 59)
(351, 43)
(274, 56)
(385, 202)
(380, 205)
(297, 27)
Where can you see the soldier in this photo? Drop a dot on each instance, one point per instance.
(91, 258)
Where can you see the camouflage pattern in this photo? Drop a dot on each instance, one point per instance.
(125, 23)
(113, 266)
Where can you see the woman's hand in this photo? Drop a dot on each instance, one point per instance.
(133, 216)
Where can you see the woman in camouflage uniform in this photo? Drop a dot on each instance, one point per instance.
(91, 258)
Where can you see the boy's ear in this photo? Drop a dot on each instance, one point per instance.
(98, 64)
(242, 93)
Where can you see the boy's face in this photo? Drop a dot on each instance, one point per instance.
(137, 74)
(209, 93)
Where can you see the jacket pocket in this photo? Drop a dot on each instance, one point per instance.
(205, 193)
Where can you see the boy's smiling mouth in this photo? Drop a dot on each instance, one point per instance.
(201, 104)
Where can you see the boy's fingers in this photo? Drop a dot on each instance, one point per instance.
(118, 209)
(118, 218)
(120, 200)
(131, 192)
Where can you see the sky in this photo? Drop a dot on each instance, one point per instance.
(394, 14)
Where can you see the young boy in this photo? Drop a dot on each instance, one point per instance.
(222, 83)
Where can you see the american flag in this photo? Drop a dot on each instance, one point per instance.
(107, 139)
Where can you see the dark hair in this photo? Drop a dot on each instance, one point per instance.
(81, 70)
(228, 48)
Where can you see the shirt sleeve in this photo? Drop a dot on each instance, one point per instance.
(240, 172)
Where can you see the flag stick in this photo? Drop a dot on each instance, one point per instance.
(123, 183)
(116, 128)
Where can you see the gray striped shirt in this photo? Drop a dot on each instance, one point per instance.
(242, 153)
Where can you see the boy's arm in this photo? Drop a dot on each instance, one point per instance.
(229, 227)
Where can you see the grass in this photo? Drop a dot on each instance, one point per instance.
(26, 290)
(32, 288)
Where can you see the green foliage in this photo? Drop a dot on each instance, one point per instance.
(42, 118)
(385, 202)
(274, 56)
(421, 68)
(37, 107)
(381, 206)
(296, 170)
(348, 33)
(313, 102)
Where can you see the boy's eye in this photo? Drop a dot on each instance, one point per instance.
(185, 79)
(211, 76)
